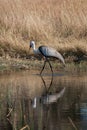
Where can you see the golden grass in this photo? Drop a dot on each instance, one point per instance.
(61, 24)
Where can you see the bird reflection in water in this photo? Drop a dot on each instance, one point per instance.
(46, 107)
(48, 97)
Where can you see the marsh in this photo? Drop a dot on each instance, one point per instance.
(21, 105)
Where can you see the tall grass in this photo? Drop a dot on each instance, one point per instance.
(61, 24)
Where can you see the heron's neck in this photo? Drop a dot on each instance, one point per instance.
(34, 47)
(36, 51)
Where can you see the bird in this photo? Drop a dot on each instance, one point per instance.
(51, 98)
(47, 53)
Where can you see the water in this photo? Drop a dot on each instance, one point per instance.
(30, 101)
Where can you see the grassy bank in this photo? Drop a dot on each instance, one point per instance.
(16, 65)
(60, 24)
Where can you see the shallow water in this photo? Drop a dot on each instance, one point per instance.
(43, 103)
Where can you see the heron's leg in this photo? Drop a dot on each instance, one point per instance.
(43, 67)
(50, 66)
(44, 83)
(50, 83)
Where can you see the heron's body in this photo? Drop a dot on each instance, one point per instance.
(50, 52)
(47, 52)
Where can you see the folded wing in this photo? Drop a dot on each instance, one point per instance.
(50, 52)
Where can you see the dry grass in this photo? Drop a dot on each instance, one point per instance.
(61, 24)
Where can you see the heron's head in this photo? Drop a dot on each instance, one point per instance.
(32, 44)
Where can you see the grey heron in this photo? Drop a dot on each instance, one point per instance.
(47, 52)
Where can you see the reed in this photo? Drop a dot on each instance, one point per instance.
(61, 24)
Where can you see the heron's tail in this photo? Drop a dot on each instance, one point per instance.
(59, 56)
